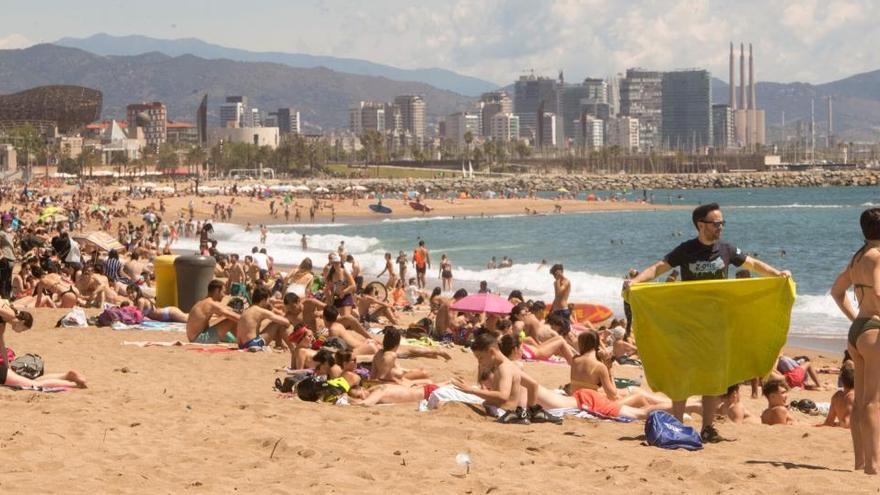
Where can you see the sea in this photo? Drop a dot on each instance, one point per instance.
(812, 232)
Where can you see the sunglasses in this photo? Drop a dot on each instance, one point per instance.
(717, 225)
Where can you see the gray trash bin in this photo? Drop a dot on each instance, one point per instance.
(194, 273)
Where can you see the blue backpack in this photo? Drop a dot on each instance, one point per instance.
(665, 431)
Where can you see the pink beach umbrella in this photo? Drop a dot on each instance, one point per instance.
(483, 303)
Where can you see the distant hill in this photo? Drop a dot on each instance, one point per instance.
(323, 96)
(105, 44)
(855, 105)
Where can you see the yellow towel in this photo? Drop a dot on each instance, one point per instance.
(698, 338)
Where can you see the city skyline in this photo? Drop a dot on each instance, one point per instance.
(499, 40)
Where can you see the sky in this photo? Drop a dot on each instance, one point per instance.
(496, 40)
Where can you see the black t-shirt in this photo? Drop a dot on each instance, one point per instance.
(698, 261)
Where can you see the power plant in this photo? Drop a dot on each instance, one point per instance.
(748, 120)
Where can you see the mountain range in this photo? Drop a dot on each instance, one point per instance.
(105, 44)
(171, 73)
(323, 96)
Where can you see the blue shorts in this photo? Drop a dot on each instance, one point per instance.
(566, 315)
(255, 342)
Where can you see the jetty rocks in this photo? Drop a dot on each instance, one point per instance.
(617, 182)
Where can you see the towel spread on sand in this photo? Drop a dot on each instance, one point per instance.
(698, 338)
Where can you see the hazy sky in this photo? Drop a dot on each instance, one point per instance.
(808, 40)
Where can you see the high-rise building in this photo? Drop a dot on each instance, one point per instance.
(287, 121)
(412, 116)
(491, 104)
(505, 127)
(614, 95)
(365, 116)
(723, 136)
(641, 97)
(460, 123)
(232, 114)
(528, 95)
(623, 132)
(592, 132)
(687, 110)
(596, 89)
(152, 118)
(547, 130)
(202, 122)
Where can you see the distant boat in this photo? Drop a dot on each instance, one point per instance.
(379, 208)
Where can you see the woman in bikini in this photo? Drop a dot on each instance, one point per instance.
(446, 272)
(150, 310)
(300, 281)
(340, 286)
(51, 284)
(537, 352)
(588, 372)
(863, 275)
(21, 321)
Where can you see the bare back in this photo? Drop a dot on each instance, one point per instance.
(864, 276)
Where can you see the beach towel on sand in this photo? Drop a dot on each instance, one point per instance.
(698, 338)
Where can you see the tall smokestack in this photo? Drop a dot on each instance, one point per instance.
(830, 133)
(742, 75)
(732, 81)
(752, 103)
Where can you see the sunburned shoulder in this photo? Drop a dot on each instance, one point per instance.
(777, 415)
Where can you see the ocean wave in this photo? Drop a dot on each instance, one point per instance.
(414, 219)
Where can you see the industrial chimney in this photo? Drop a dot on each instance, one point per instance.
(732, 81)
(752, 103)
(742, 75)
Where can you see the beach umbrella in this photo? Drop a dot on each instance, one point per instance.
(321, 189)
(562, 190)
(359, 188)
(483, 303)
(301, 188)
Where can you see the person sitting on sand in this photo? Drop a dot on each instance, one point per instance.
(732, 408)
(199, 325)
(777, 404)
(795, 374)
(505, 386)
(149, 309)
(370, 309)
(385, 366)
(398, 297)
(524, 321)
(21, 321)
(300, 280)
(248, 330)
(359, 343)
(842, 401)
(446, 323)
(302, 356)
(96, 289)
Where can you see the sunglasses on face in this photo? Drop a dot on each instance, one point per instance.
(717, 225)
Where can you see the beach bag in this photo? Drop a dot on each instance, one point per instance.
(29, 366)
(129, 315)
(667, 432)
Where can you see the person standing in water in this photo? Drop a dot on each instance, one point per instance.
(422, 261)
(863, 275)
(705, 257)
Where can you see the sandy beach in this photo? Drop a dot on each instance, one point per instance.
(174, 420)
